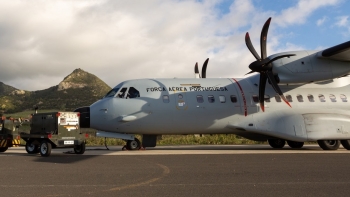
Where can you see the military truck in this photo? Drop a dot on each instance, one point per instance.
(54, 130)
(9, 136)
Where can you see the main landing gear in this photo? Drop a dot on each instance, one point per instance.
(279, 143)
(324, 144)
(132, 145)
(333, 144)
(329, 144)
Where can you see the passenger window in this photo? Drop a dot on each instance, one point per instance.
(267, 98)
(333, 98)
(233, 98)
(200, 99)
(289, 98)
(222, 99)
(322, 98)
(300, 98)
(277, 98)
(255, 98)
(311, 98)
(133, 93)
(211, 99)
(343, 98)
(121, 93)
(166, 99)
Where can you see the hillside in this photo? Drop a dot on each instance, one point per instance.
(78, 89)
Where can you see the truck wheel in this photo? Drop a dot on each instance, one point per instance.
(31, 148)
(45, 148)
(79, 149)
(3, 149)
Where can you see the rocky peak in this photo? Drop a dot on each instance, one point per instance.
(77, 79)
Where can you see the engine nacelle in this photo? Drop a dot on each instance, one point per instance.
(306, 67)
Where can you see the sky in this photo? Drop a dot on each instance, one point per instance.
(41, 42)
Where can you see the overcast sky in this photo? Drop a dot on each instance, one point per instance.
(41, 42)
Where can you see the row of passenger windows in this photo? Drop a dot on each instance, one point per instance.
(267, 98)
(300, 98)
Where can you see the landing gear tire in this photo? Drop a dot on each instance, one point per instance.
(3, 149)
(80, 149)
(276, 143)
(45, 148)
(329, 144)
(294, 144)
(32, 148)
(133, 144)
(346, 144)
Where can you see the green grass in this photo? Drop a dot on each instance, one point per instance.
(219, 139)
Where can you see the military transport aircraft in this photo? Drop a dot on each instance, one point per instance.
(305, 99)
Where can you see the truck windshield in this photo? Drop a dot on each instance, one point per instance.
(111, 93)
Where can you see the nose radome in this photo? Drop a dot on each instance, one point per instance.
(84, 116)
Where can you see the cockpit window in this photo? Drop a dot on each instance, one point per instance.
(121, 93)
(111, 93)
(133, 93)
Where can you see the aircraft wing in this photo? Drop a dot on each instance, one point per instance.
(339, 52)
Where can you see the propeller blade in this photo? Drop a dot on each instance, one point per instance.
(250, 72)
(276, 87)
(262, 85)
(196, 68)
(204, 68)
(250, 46)
(196, 71)
(263, 38)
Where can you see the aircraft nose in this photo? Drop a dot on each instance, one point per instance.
(84, 116)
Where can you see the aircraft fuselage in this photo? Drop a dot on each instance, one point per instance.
(227, 105)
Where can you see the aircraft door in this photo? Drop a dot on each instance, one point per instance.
(180, 101)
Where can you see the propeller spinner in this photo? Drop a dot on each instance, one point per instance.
(204, 69)
(263, 65)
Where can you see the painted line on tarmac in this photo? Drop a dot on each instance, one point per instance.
(165, 172)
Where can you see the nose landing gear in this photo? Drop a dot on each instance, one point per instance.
(132, 145)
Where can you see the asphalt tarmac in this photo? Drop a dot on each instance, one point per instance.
(178, 171)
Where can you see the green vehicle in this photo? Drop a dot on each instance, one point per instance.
(9, 136)
(54, 130)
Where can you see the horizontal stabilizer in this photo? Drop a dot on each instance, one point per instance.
(339, 52)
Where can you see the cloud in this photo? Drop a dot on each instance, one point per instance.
(342, 21)
(43, 41)
(320, 21)
(299, 13)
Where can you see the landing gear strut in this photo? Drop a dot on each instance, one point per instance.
(132, 144)
(276, 143)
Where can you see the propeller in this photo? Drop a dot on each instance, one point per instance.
(263, 65)
(204, 69)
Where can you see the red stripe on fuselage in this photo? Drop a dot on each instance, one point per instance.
(244, 100)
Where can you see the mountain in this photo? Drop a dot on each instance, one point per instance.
(78, 89)
(7, 90)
